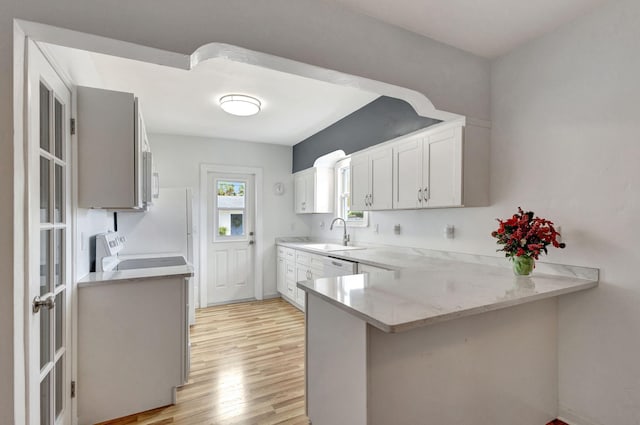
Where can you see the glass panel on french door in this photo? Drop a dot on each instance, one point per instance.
(58, 122)
(45, 199)
(58, 194)
(45, 141)
(45, 262)
(45, 400)
(58, 257)
(59, 322)
(59, 389)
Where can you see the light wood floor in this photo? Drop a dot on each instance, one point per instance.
(247, 367)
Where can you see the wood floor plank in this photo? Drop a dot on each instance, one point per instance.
(247, 367)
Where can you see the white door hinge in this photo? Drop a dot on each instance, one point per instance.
(73, 126)
(73, 389)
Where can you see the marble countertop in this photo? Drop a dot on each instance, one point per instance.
(439, 290)
(99, 278)
(429, 286)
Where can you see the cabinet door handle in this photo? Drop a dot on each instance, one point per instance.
(425, 193)
(419, 195)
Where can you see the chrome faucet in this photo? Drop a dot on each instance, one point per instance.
(345, 237)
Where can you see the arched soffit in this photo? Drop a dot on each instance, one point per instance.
(109, 46)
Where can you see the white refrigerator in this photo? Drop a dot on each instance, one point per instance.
(167, 228)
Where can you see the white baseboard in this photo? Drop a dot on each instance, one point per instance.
(572, 419)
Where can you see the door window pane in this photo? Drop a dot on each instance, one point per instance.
(230, 223)
(59, 324)
(58, 129)
(58, 194)
(59, 378)
(44, 190)
(58, 257)
(231, 194)
(44, 117)
(45, 261)
(45, 400)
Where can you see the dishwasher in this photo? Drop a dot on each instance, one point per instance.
(332, 267)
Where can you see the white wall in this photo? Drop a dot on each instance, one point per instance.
(566, 128)
(306, 30)
(178, 160)
(90, 223)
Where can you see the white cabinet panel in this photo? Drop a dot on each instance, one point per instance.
(372, 180)
(359, 182)
(111, 142)
(314, 191)
(281, 275)
(366, 268)
(408, 174)
(443, 169)
(381, 170)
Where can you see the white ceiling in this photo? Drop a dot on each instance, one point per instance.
(488, 28)
(176, 101)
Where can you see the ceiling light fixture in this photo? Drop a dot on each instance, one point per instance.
(241, 105)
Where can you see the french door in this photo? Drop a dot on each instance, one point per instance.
(49, 243)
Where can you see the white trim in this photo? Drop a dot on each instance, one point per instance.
(20, 217)
(108, 46)
(79, 40)
(573, 419)
(205, 169)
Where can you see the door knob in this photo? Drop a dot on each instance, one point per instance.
(47, 302)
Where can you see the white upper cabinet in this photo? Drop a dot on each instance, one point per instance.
(372, 180)
(408, 173)
(447, 166)
(111, 142)
(314, 190)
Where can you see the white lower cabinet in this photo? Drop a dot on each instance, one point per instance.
(366, 268)
(294, 266)
(132, 353)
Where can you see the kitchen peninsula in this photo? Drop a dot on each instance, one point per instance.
(442, 342)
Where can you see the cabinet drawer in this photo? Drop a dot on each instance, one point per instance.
(303, 258)
(366, 268)
(281, 251)
(290, 272)
(291, 289)
(290, 254)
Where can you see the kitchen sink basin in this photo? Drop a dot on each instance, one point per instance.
(331, 247)
(147, 263)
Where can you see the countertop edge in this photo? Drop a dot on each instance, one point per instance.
(103, 278)
(403, 327)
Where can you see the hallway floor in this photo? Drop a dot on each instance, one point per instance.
(247, 367)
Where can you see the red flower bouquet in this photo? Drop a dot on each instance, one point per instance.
(523, 237)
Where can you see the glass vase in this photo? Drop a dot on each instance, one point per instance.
(523, 266)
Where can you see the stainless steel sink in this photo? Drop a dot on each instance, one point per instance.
(147, 263)
(328, 247)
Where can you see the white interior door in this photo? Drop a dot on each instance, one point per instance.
(49, 243)
(230, 238)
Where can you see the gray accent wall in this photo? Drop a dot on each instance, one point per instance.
(383, 119)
